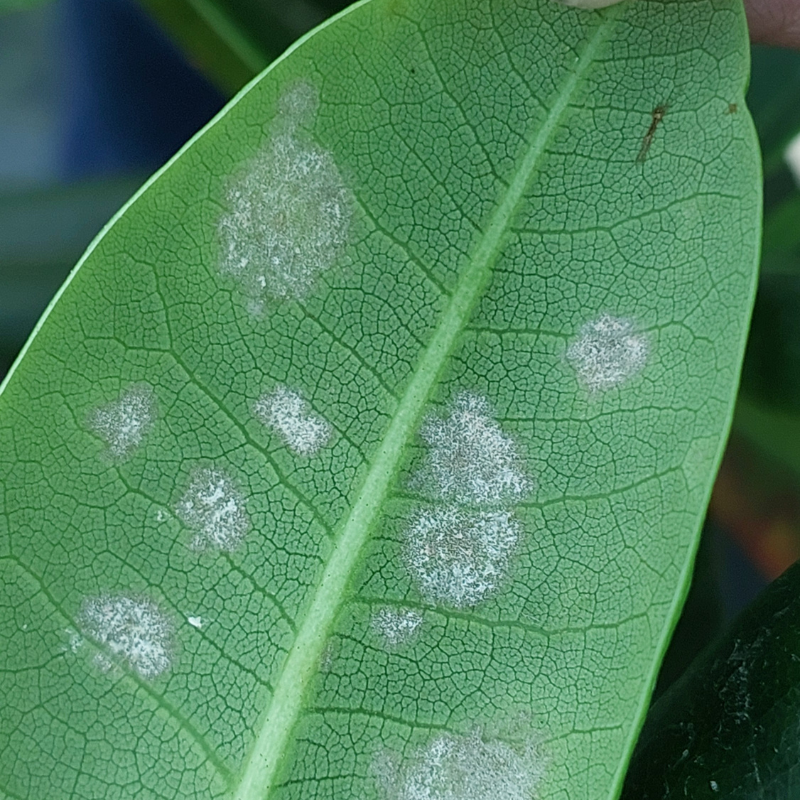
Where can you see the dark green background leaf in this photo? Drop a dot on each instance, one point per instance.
(730, 727)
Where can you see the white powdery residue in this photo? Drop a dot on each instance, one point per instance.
(133, 630)
(124, 423)
(459, 557)
(214, 508)
(289, 213)
(471, 460)
(291, 416)
(75, 640)
(195, 622)
(608, 352)
(396, 626)
(464, 768)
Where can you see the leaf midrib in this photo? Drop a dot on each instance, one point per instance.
(301, 665)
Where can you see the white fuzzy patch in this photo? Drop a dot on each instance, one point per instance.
(124, 423)
(459, 557)
(396, 626)
(214, 508)
(75, 640)
(464, 768)
(289, 212)
(471, 460)
(195, 622)
(607, 353)
(291, 416)
(133, 630)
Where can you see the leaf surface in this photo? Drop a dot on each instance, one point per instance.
(728, 728)
(365, 453)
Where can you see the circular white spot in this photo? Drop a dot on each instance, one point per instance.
(607, 353)
(459, 557)
(214, 508)
(464, 768)
(396, 626)
(124, 423)
(292, 417)
(471, 460)
(289, 212)
(132, 630)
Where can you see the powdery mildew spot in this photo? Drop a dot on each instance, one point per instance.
(214, 508)
(459, 557)
(471, 460)
(74, 640)
(291, 416)
(464, 768)
(396, 626)
(124, 423)
(289, 211)
(608, 352)
(195, 622)
(133, 630)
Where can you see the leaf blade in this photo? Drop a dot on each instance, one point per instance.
(583, 449)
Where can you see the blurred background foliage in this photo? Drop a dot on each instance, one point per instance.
(97, 94)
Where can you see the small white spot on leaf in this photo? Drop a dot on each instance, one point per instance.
(214, 508)
(195, 622)
(396, 626)
(459, 557)
(124, 423)
(74, 641)
(132, 631)
(293, 419)
(464, 768)
(608, 352)
(289, 212)
(714, 786)
(471, 460)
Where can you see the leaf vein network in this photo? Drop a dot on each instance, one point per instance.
(261, 767)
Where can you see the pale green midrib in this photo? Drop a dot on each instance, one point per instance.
(301, 665)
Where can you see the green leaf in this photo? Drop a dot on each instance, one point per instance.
(365, 454)
(729, 727)
(771, 371)
(232, 40)
(774, 102)
(774, 431)
(781, 247)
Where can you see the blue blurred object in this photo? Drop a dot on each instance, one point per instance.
(129, 99)
(93, 97)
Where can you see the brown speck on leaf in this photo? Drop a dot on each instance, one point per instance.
(732, 108)
(658, 115)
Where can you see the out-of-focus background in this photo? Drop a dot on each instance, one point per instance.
(97, 94)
